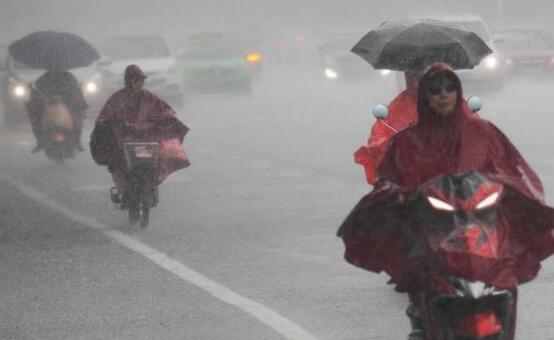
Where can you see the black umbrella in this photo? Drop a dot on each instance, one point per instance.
(53, 51)
(413, 45)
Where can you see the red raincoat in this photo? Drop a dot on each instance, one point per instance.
(436, 146)
(402, 114)
(137, 116)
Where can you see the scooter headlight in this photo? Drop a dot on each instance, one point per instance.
(491, 62)
(331, 74)
(91, 87)
(385, 72)
(19, 91)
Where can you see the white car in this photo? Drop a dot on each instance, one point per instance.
(337, 62)
(152, 55)
(16, 77)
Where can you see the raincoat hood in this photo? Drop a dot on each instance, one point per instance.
(133, 72)
(426, 115)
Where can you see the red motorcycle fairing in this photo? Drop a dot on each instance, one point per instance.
(459, 224)
(459, 229)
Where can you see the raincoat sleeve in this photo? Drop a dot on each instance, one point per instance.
(107, 112)
(388, 169)
(103, 143)
(369, 155)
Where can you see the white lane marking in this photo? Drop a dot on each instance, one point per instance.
(269, 317)
(25, 143)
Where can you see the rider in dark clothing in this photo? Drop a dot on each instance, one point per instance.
(64, 85)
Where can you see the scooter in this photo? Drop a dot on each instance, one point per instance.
(142, 164)
(457, 308)
(57, 129)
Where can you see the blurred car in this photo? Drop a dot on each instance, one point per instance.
(489, 75)
(336, 62)
(527, 50)
(16, 77)
(152, 55)
(211, 62)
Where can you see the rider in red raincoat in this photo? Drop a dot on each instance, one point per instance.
(134, 113)
(402, 114)
(444, 144)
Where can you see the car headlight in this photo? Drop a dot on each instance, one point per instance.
(331, 74)
(385, 72)
(19, 91)
(91, 87)
(491, 62)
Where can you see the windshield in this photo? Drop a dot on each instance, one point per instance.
(343, 41)
(212, 52)
(135, 48)
(520, 40)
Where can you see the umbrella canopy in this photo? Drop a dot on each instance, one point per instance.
(53, 51)
(415, 44)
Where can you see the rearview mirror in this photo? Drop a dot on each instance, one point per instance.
(380, 111)
(475, 104)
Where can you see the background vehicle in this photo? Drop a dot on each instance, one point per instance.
(152, 55)
(15, 87)
(211, 62)
(337, 62)
(490, 73)
(527, 50)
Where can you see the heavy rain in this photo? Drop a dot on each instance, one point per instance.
(207, 205)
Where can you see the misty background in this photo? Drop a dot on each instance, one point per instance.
(172, 18)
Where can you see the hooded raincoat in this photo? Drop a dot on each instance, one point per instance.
(375, 234)
(142, 116)
(402, 114)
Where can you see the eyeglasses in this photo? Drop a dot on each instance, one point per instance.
(438, 87)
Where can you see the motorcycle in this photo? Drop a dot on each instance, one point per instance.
(456, 226)
(57, 129)
(141, 177)
(455, 219)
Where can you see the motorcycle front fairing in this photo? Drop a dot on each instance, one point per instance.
(462, 237)
(458, 226)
